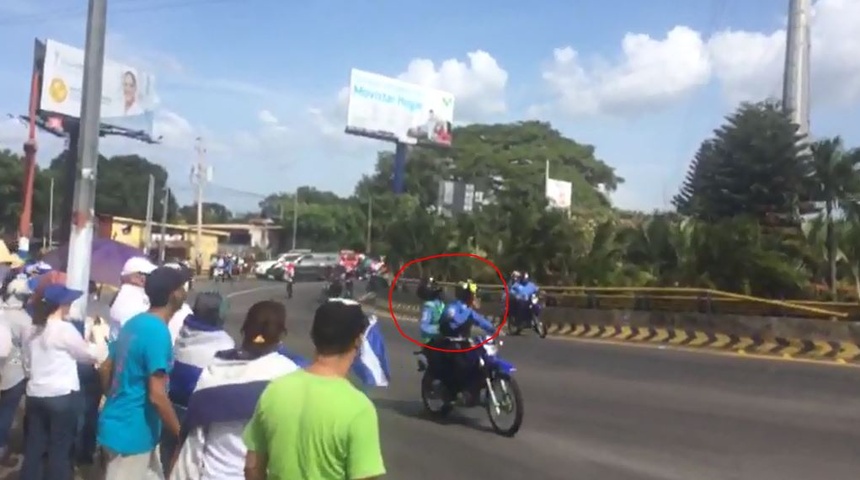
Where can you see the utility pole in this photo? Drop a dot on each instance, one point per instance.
(295, 216)
(795, 87)
(81, 241)
(200, 177)
(51, 215)
(165, 202)
(150, 201)
(369, 223)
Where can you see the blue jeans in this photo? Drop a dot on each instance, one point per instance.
(88, 415)
(50, 425)
(10, 399)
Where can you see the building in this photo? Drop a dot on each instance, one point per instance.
(256, 235)
(179, 240)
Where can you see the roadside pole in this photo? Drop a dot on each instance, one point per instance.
(80, 243)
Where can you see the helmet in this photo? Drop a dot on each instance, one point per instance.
(464, 292)
(515, 275)
(524, 277)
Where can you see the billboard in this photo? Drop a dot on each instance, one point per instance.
(558, 193)
(128, 94)
(387, 109)
(458, 197)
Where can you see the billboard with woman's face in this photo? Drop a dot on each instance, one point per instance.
(128, 94)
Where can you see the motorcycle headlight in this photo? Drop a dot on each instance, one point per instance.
(490, 348)
(535, 300)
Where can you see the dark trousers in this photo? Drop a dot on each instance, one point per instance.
(50, 425)
(88, 416)
(10, 399)
(169, 443)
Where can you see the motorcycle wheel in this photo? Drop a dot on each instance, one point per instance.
(432, 389)
(540, 327)
(513, 396)
(290, 290)
(512, 328)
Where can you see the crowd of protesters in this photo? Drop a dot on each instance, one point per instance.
(162, 391)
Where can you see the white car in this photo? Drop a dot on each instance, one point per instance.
(261, 268)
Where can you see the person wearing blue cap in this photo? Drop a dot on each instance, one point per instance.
(51, 352)
(135, 379)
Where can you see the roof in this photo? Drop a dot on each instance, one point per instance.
(241, 226)
(184, 228)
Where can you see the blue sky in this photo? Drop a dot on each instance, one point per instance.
(260, 79)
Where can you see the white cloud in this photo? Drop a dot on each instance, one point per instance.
(749, 64)
(650, 73)
(267, 117)
(653, 73)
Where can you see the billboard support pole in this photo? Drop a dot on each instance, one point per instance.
(399, 183)
(69, 174)
(81, 240)
(30, 148)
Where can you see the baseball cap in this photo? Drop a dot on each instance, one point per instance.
(59, 294)
(161, 283)
(137, 265)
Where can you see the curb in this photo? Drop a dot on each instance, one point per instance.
(819, 350)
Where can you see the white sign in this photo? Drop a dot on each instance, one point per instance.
(387, 109)
(558, 193)
(128, 95)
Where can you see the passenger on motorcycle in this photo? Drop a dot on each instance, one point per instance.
(521, 292)
(455, 326)
(431, 311)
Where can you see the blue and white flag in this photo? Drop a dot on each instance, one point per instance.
(227, 392)
(194, 351)
(371, 364)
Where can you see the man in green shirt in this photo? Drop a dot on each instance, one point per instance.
(313, 424)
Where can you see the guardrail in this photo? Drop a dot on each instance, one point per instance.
(677, 299)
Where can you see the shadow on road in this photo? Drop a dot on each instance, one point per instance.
(414, 409)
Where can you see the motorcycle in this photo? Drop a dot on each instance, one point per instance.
(348, 290)
(218, 274)
(533, 321)
(497, 389)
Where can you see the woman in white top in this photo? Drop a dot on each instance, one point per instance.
(52, 350)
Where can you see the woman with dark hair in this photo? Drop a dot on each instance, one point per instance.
(227, 394)
(52, 350)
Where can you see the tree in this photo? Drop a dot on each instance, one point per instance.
(212, 213)
(834, 182)
(755, 165)
(122, 187)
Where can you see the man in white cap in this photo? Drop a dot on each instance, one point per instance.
(131, 299)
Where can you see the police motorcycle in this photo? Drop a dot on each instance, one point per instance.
(527, 315)
(498, 391)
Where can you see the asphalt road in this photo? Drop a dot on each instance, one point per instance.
(608, 412)
(598, 411)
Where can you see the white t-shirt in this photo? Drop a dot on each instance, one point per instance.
(51, 356)
(177, 321)
(6, 346)
(130, 300)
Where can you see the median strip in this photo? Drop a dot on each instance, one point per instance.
(821, 350)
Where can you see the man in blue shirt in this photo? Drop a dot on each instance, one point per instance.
(135, 379)
(521, 292)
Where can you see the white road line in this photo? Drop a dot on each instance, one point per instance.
(252, 290)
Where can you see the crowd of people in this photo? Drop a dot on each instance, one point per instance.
(163, 391)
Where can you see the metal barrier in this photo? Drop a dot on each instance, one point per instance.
(674, 299)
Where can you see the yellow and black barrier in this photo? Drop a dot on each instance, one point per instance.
(842, 352)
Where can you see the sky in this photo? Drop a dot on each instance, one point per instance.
(264, 82)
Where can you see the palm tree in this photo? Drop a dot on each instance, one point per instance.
(836, 183)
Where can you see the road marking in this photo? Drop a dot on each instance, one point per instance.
(252, 290)
(669, 347)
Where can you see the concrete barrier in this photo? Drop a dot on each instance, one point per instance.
(785, 336)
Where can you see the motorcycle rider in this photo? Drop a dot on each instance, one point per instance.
(431, 311)
(455, 326)
(521, 293)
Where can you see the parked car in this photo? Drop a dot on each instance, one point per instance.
(315, 266)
